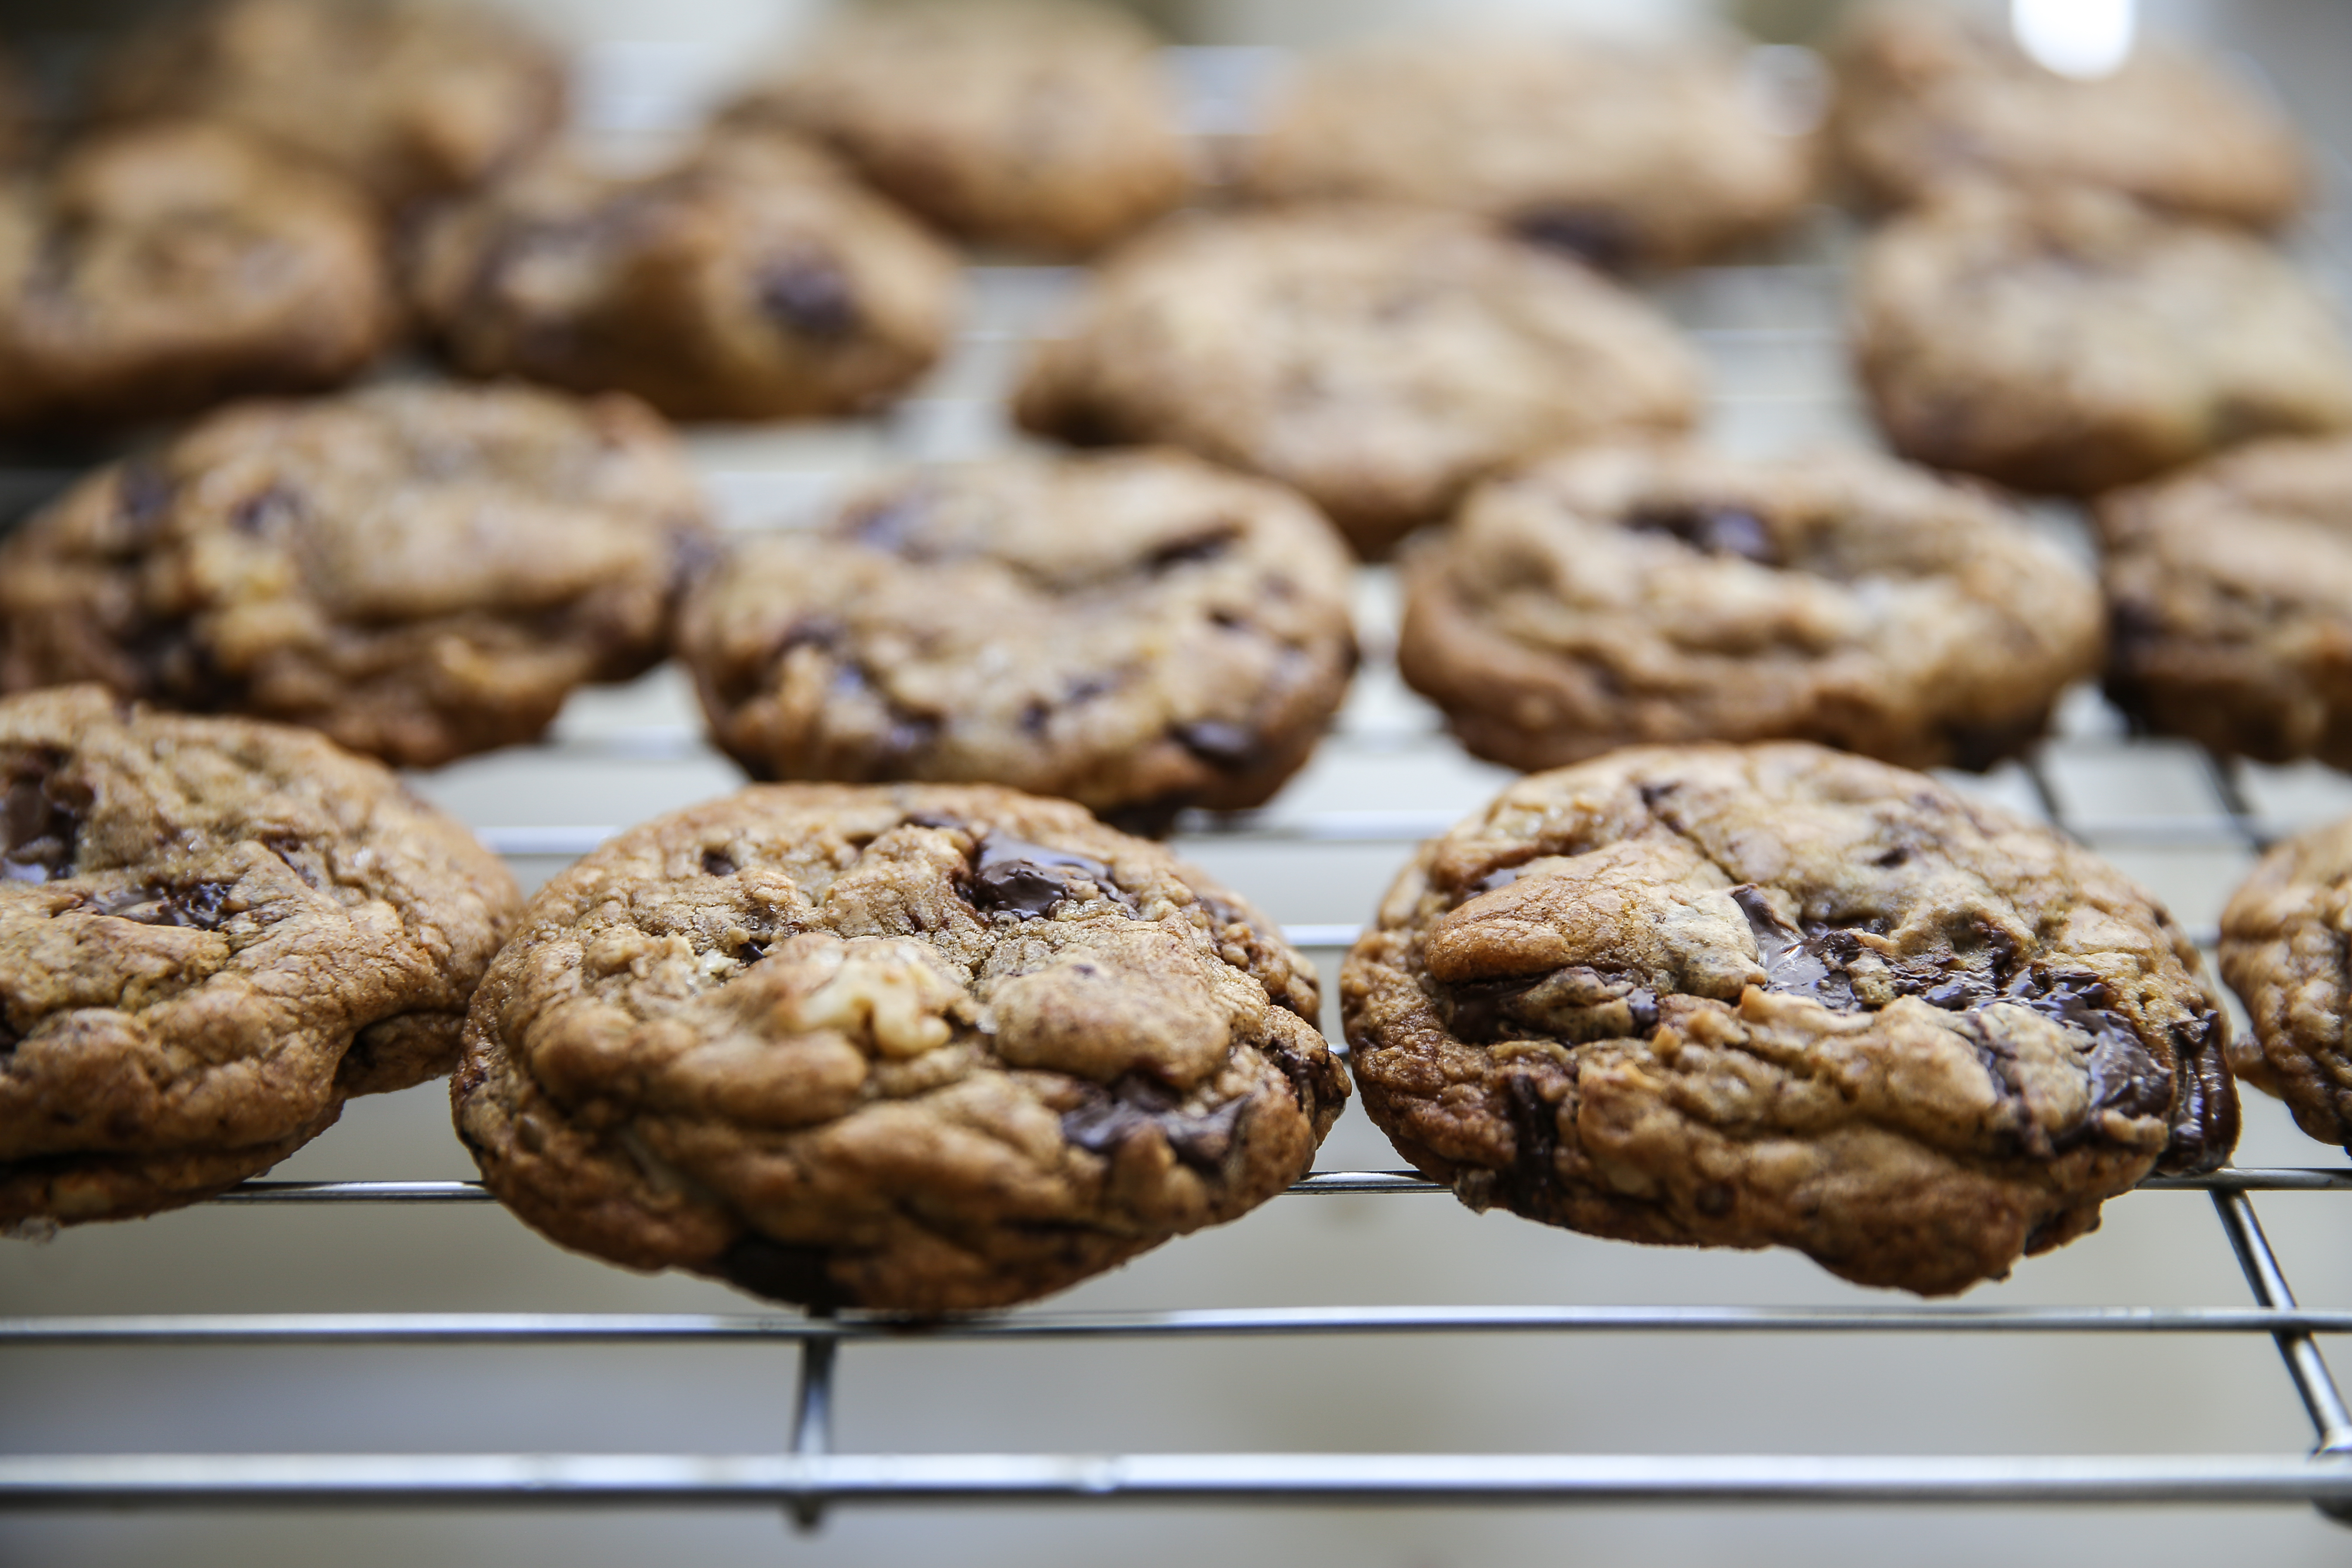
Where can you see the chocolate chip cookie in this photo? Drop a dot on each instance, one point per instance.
(1642, 594)
(158, 269)
(1378, 359)
(1625, 156)
(1139, 632)
(2230, 591)
(1930, 96)
(212, 932)
(412, 99)
(749, 279)
(2072, 342)
(421, 571)
(1776, 996)
(921, 1048)
(1042, 124)
(2283, 952)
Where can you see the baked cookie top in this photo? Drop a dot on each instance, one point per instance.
(1930, 96)
(1775, 995)
(212, 931)
(2230, 587)
(413, 99)
(162, 268)
(1378, 359)
(2283, 953)
(1043, 124)
(747, 278)
(420, 572)
(921, 1048)
(1626, 156)
(2072, 342)
(1641, 595)
(1139, 632)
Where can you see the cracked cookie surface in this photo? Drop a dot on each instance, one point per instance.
(212, 932)
(918, 1049)
(412, 99)
(2230, 595)
(2071, 342)
(2283, 952)
(1623, 155)
(1747, 997)
(420, 572)
(159, 269)
(1930, 97)
(1040, 124)
(1137, 632)
(1379, 359)
(747, 277)
(1645, 594)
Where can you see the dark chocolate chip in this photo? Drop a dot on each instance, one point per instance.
(1714, 529)
(1598, 234)
(716, 863)
(751, 952)
(196, 906)
(2205, 1104)
(1534, 1125)
(1026, 880)
(1478, 1012)
(781, 1271)
(1104, 1119)
(810, 295)
(40, 819)
(1034, 717)
(1229, 747)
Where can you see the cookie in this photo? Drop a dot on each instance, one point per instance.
(1626, 156)
(921, 1048)
(2071, 342)
(411, 99)
(159, 269)
(1776, 995)
(1379, 359)
(1040, 124)
(212, 932)
(421, 571)
(2283, 953)
(1137, 632)
(1630, 596)
(749, 279)
(1930, 97)
(2230, 595)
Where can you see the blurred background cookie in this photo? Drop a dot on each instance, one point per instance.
(418, 572)
(1046, 125)
(1379, 359)
(746, 279)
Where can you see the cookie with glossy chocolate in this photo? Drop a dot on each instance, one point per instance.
(410, 98)
(916, 1048)
(1378, 359)
(419, 571)
(1041, 124)
(747, 278)
(1930, 96)
(2072, 342)
(2229, 595)
(1776, 995)
(2283, 952)
(1625, 156)
(1139, 632)
(212, 932)
(157, 269)
(1630, 596)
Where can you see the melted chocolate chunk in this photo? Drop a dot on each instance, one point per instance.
(196, 906)
(810, 296)
(716, 863)
(1596, 234)
(40, 820)
(1535, 1126)
(780, 1271)
(753, 950)
(1713, 530)
(1026, 880)
(299, 855)
(2204, 1107)
(1228, 747)
(1104, 1119)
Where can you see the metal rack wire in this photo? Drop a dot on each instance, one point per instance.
(1772, 330)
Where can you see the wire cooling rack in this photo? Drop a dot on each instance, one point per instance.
(1772, 331)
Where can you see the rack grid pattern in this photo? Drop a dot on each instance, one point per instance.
(1772, 332)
